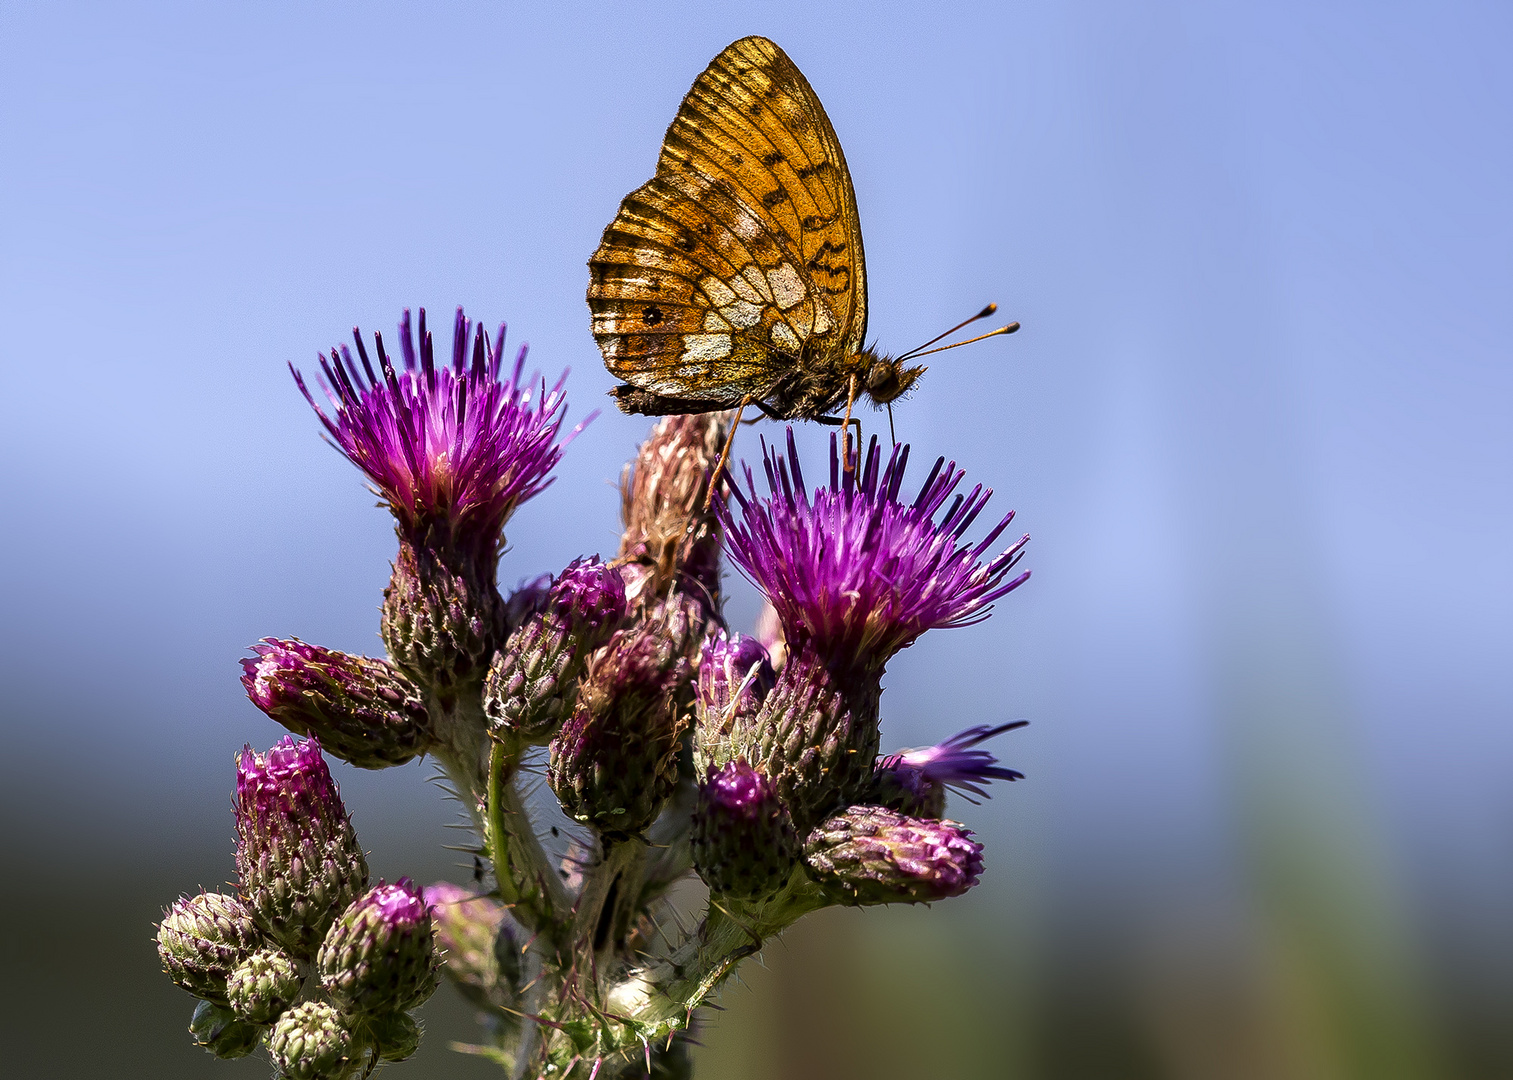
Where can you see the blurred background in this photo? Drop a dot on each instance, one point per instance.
(1257, 422)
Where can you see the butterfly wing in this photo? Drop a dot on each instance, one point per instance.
(742, 258)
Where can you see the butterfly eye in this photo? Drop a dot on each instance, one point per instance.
(887, 379)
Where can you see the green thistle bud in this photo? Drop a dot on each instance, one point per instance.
(395, 1036)
(380, 956)
(443, 616)
(615, 761)
(743, 842)
(533, 681)
(297, 854)
(222, 1032)
(312, 1042)
(817, 737)
(264, 985)
(362, 710)
(203, 938)
(482, 957)
(871, 855)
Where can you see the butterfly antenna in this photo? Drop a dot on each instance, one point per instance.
(956, 345)
(983, 314)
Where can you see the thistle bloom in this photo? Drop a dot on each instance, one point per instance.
(453, 450)
(856, 573)
(915, 781)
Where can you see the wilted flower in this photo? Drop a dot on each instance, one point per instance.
(672, 537)
(854, 572)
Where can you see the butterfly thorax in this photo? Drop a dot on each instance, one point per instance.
(819, 384)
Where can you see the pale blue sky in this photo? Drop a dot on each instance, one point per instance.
(1257, 421)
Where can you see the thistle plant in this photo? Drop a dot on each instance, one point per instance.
(682, 749)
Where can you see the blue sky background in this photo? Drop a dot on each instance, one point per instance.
(1257, 423)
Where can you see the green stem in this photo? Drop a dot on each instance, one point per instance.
(527, 882)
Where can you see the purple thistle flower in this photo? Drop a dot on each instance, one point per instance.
(856, 573)
(451, 448)
(953, 764)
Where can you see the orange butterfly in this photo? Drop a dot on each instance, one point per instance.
(735, 276)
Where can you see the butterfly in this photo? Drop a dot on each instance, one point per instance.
(735, 276)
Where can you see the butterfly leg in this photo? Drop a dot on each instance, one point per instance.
(837, 421)
(846, 428)
(719, 468)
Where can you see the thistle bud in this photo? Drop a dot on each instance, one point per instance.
(263, 986)
(313, 1042)
(743, 841)
(615, 761)
(298, 857)
(734, 678)
(526, 600)
(222, 1032)
(869, 855)
(443, 617)
(472, 932)
(533, 681)
(202, 939)
(380, 956)
(816, 735)
(363, 711)
(396, 1036)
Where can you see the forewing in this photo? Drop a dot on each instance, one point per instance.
(743, 253)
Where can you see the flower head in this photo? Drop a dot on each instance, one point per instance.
(380, 956)
(454, 449)
(297, 855)
(872, 855)
(951, 764)
(855, 572)
(742, 839)
(364, 711)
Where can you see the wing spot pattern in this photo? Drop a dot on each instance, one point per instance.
(742, 314)
(784, 337)
(705, 347)
(787, 287)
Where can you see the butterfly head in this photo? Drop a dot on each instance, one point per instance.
(885, 379)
